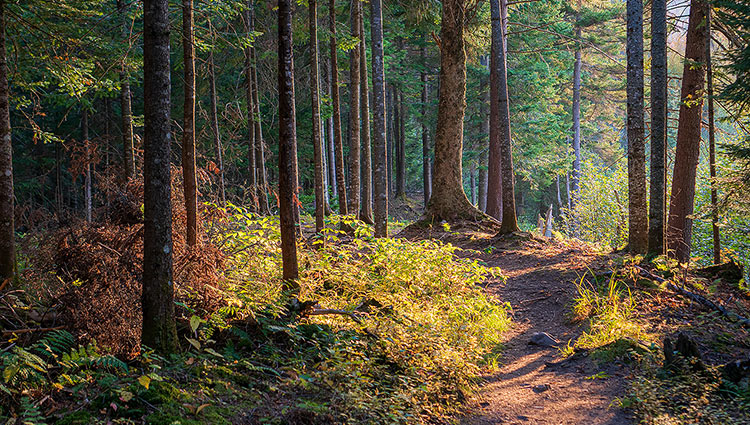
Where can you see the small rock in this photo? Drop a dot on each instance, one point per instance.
(541, 388)
(543, 339)
(522, 418)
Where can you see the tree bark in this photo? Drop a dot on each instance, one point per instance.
(336, 103)
(679, 229)
(366, 153)
(575, 184)
(637, 201)
(287, 146)
(7, 227)
(380, 163)
(391, 136)
(449, 200)
(426, 167)
(252, 168)
(494, 161)
(125, 104)
(189, 180)
(400, 146)
(331, 143)
(485, 128)
(354, 110)
(87, 166)
(159, 329)
(657, 195)
(509, 223)
(260, 152)
(712, 144)
(215, 126)
(317, 142)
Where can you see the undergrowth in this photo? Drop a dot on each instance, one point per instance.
(408, 333)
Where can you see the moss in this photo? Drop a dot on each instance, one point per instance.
(161, 393)
(78, 418)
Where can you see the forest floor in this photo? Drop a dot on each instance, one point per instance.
(528, 387)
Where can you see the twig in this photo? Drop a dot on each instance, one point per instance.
(697, 298)
(29, 330)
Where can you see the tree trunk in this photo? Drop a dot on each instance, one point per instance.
(331, 143)
(712, 145)
(380, 163)
(260, 150)
(576, 180)
(509, 222)
(494, 161)
(473, 183)
(354, 110)
(391, 136)
(215, 125)
(657, 203)
(159, 329)
(449, 200)
(336, 103)
(252, 169)
(400, 146)
(366, 179)
(679, 229)
(87, 166)
(317, 143)
(59, 201)
(189, 180)
(125, 105)
(287, 146)
(426, 168)
(485, 129)
(637, 201)
(7, 228)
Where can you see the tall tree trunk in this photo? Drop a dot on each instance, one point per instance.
(317, 143)
(354, 110)
(679, 229)
(400, 146)
(189, 179)
(7, 227)
(336, 103)
(128, 153)
(637, 201)
(391, 136)
(473, 183)
(287, 146)
(380, 163)
(509, 222)
(87, 167)
(260, 152)
(494, 161)
(215, 125)
(159, 329)
(331, 144)
(576, 180)
(657, 202)
(426, 168)
(252, 169)
(449, 200)
(366, 160)
(485, 129)
(59, 201)
(712, 144)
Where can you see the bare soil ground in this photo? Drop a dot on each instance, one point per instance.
(529, 387)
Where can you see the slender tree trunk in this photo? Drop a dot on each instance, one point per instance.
(336, 103)
(485, 129)
(679, 229)
(473, 183)
(712, 144)
(567, 191)
(576, 180)
(287, 146)
(391, 138)
(354, 110)
(159, 329)
(494, 161)
(125, 105)
(400, 147)
(449, 200)
(637, 201)
(509, 222)
(260, 152)
(380, 163)
(87, 168)
(59, 201)
(189, 180)
(215, 126)
(317, 143)
(7, 227)
(426, 168)
(331, 143)
(252, 168)
(366, 180)
(657, 202)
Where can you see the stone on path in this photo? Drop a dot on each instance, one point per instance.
(543, 339)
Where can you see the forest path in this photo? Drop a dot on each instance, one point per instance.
(527, 389)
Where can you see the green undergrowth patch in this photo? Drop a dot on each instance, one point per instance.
(407, 331)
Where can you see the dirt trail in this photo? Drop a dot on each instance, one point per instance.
(526, 389)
